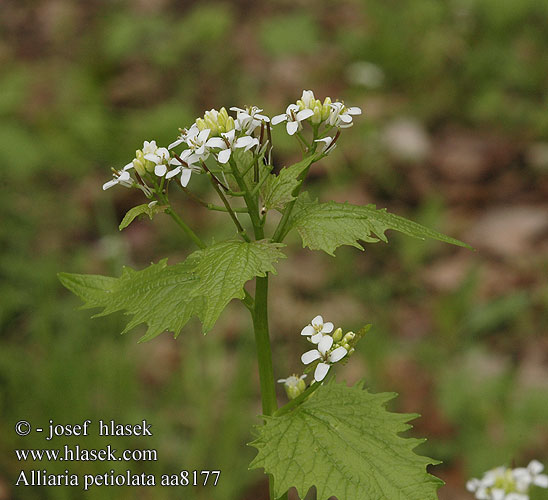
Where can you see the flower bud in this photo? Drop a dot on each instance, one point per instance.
(294, 386)
(326, 108)
(337, 335)
(317, 116)
(349, 337)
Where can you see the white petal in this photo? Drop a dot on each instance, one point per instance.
(535, 467)
(308, 330)
(160, 170)
(315, 339)
(317, 321)
(345, 118)
(541, 480)
(216, 142)
(472, 484)
(224, 155)
(109, 184)
(354, 110)
(246, 141)
(498, 494)
(304, 114)
(327, 327)
(292, 127)
(230, 135)
(173, 173)
(310, 356)
(124, 176)
(152, 157)
(203, 135)
(280, 380)
(279, 119)
(129, 166)
(185, 176)
(325, 344)
(321, 371)
(176, 143)
(338, 354)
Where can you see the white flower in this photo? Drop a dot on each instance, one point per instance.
(326, 356)
(341, 116)
(196, 141)
(227, 142)
(180, 139)
(123, 178)
(327, 145)
(185, 167)
(308, 99)
(316, 329)
(531, 475)
(503, 483)
(248, 119)
(149, 147)
(294, 116)
(161, 158)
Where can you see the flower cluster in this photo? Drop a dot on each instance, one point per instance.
(218, 134)
(331, 346)
(504, 483)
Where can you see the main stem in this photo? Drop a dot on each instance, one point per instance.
(262, 341)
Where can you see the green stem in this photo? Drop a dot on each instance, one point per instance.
(190, 233)
(281, 230)
(262, 340)
(241, 230)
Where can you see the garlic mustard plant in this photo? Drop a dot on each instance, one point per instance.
(339, 439)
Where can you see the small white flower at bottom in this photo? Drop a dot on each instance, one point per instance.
(293, 385)
(327, 357)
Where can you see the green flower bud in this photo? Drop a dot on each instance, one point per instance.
(218, 122)
(317, 116)
(294, 386)
(201, 124)
(337, 335)
(349, 337)
(326, 108)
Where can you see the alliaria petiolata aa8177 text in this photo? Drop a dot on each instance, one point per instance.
(339, 439)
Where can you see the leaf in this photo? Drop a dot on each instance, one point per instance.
(326, 226)
(166, 297)
(150, 209)
(224, 268)
(278, 189)
(343, 441)
(158, 296)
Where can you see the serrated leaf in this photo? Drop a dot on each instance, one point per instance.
(343, 441)
(166, 297)
(158, 295)
(224, 268)
(146, 209)
(278, 189)
(326, 226)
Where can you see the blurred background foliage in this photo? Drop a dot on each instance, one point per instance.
(454, 135)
